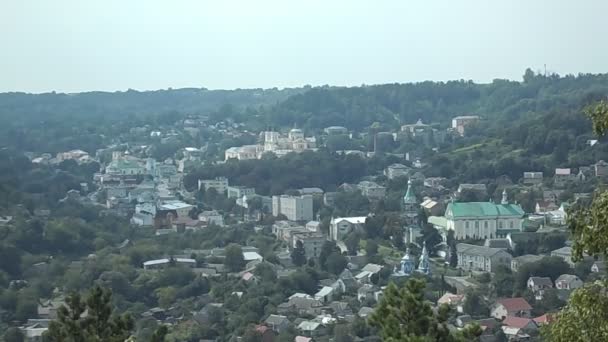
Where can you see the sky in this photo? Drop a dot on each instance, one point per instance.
(84, 45)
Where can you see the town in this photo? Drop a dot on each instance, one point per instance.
(222, 242)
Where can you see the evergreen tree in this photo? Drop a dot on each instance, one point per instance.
(234, 260)
(298, 255)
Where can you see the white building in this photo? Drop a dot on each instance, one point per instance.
(295, 208)
(240, 191)
(312, 243)
(460, 122)
(181, 208)
(243, 152)
(483, 220)
(371, 190)
(220, 184)
(211, 217)
(396, 170)
(341, 226)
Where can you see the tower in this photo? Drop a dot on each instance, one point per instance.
(407, 264)
(423, 265)
(410, 205)
(505, 200)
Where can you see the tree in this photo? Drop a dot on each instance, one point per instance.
(404, 315)
(327, 249)
(502, 282)
(234, 259)
(13, 335)
(371, 248)
(298, 255)
(453, 256)
(98, 325)
(352, 243)
(475, 305)
(583, 319)
(336, 263)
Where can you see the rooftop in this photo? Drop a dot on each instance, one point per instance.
(514, 304)
(483, 209)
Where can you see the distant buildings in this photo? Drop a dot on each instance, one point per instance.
(341, 226)
(295, 208)
(335, 130)
(601, 169)
(533, 178)
(239, 191)
(459, 123)
(372, 190)
(562, 177)
(220, 184)
(273, 142)
(243, 152)
(481, 258)
(397, 170)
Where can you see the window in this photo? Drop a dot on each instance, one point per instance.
(476, 224)
(499, 224)
(511, 224)
(485, 224)
(466, 224)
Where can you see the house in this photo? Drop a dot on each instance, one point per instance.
(311, 328)
(568, 282)
(367, 271)
(211, 217)
(600, 169)
(565, 253)
(394, 171)
(365, 311)
(372, 190)
(219, 184)
(277, 323)
(599, 266)
(266, 334)
(517, 307)
(48, 309)
(295, 208)
(538, 285)
(324, 295)
(301, 305)
(312, 242)
(460, 122)
(34, 329)
(562, 177)
(552, 195)
(517, 262)
(544, 319)
(480, 258)
(432, 208)
(342, 310)
(543, 207)
(483, 220)
(515, 327)
(239, 191)
(451, 299)
(366, 292)
(303, 339)
(341, 226)
(329, 199)
(533, 178)
(181, 208)
(161, 263)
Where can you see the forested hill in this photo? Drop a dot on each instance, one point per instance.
(502, 100)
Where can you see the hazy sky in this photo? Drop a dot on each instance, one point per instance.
(78, 45)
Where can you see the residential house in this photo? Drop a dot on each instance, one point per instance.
(211, 217)
(562, 177)
(544, 319)
(244, 152)
(568, 282)
(311, 328)
(544, 207)
(538, 285)
(365, 311)
(367, 271)
(394, 171)
(564, 253)
(303, 339)
(481, 258)
(265, 333)
(341, 226)
(460, 122)
(372, 190)
(453, 300)
(34, 329)
(277, 323)
(182, 209)
(301, 305)
(518, 327)
(599, 266)
(325, 294)
(517, 262)
(517, 307)
(342, 310)
(366, 293)
(600, 169)
(431, 207)
(533, 178)
(483, 220)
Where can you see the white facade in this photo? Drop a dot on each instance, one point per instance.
(220, 184)
(295, 208)
(342, 226)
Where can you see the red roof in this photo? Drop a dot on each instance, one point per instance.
(514, 304)
(516, 322)
(261, 328)
(544, 319)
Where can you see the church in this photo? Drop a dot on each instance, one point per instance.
(483, 220)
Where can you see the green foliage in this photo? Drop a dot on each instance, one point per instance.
(336, 263)
(551, 267)
(404, 315)
(234, 259)
(588, 227)
(99, 324)
(503, 281)
(298, 255)
(583, 319)
(13, 335)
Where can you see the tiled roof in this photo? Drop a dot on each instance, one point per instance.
(516, 322)
(514, 304)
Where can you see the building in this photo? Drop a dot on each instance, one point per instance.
(460, 122)
(372, 190)
(515, 307)
(341, 226)
(533, 178)
(600, 169)
(431, 207)
(245, 152)
(312, 243)
(565, 253)
(335, 130)
(295, 208)
(396, 170)
(161, 263)
(410, 206)
(518, 328)
(125, 167)
(239, 191)
(483, 220)
(181, 208)
(220, 184)
(568, 282)
(480, 190)
(277, 323)
(538, 285)
(599, 266)
(481, 258)
(211, 217)
(562, 177)
(517, 262)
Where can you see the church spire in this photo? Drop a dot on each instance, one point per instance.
(505, 200)
(409, 197)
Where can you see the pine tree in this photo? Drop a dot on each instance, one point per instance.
(298, 255)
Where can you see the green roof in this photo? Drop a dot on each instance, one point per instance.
(409, 195)
(483, 209)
